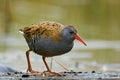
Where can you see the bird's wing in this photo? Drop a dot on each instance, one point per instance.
(45, 29)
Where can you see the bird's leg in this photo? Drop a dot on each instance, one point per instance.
(48, 69)
(29, 69)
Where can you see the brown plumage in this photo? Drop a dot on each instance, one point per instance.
(47, 29)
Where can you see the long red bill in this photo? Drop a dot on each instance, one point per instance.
(79, 39)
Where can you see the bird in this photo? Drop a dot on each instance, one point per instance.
(49, 39)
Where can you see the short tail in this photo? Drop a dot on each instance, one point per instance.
(21, 31)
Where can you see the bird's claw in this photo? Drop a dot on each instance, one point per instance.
(45, 73)
(32, 71)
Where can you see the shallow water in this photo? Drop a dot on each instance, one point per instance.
(101, 56)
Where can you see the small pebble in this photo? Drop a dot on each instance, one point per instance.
(93, 71)
(99, 78)
(8, 73)
(79, 72)
(65, 72)
(20, 79)
(71, 71)
(17, 73)
(25, 75)
(63, 75)
(75, 74)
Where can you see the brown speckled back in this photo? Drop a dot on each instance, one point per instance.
(46, 29)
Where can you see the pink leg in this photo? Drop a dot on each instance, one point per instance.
(48, 69)
(29, 69)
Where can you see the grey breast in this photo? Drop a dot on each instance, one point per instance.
(47, 47)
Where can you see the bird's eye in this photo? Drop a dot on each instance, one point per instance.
(71, 32)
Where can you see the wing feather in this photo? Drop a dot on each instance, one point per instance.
(45, 29)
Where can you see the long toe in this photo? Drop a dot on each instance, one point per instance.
(49, 73)
(32, 71)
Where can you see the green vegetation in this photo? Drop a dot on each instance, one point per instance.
(95, 19)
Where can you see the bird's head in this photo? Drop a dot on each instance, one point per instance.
(69, 33)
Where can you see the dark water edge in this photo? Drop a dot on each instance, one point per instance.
(71, 75)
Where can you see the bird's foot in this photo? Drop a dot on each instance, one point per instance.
(49, 73)
(32, 71)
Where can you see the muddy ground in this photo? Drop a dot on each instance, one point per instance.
(64, 76)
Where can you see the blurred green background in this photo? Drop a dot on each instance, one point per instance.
(98, 22)
(95, 19)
